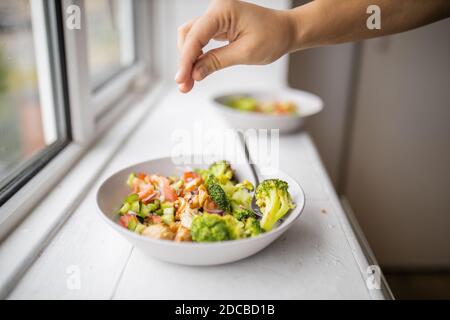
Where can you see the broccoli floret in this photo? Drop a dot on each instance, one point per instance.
(221, 170)
(212, 227)
(217, 194)
(240, 212)
(235, 227)
(210, 179)
(245, 185)
(242, 197)
(252, 228)
(274, 200)
(238, 193)
(228, 187)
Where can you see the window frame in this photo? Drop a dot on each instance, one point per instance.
(44, 29)
(88, 113)
(97, 86)
(88, 105)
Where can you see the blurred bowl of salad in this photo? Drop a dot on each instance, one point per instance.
(283, 109)
(198, 214)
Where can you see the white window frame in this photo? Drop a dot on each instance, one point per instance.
(85, 104)
(88, 105)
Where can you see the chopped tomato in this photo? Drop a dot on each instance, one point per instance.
(141, 175)
(209, 205)
(167, 191)
(145, 191)
(150, 197)
(189, 176)
(156, 219)
(135, 185)
(125, 220)
(154, 178)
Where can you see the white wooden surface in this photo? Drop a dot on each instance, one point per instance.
(317, 258)
(22, 246)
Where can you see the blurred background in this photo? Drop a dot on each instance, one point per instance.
(384, 135)
(21, 130)
(28, 126)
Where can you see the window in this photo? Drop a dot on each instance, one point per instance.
(110, 38)
(32, 125)
(58, 85)
(112, 52)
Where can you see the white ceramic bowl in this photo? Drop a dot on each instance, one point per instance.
(307, 104)
(114, 189)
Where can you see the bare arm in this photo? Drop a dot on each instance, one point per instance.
(325, 22)
(259, 35)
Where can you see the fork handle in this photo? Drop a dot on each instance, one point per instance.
(248, 158)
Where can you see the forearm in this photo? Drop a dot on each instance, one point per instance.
(258, 35)
(325, 22)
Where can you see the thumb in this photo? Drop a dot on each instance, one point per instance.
(217, 59)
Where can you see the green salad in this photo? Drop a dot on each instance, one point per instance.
(203, 205)
(250, 104)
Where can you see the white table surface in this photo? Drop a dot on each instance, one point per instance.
(317, 258)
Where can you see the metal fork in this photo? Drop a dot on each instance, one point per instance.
(254, 171)
(255, 174)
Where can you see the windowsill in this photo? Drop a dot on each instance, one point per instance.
(30, 237)
(327, 262)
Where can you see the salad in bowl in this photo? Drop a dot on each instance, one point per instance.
(202, 205)
(282, 109)
(271, 107)
(175, 213)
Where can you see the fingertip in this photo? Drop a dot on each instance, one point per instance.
(185, 87)
(182, 88)
(183, 74)
(179, 76)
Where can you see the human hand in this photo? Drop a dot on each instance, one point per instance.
(256, 35)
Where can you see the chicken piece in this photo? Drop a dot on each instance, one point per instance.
(197, 200)
(186, 217)
(202, 195)
(181, 206)
(194, 203)
(158, 231)
(175, 226)
(183, 234)
(193, 184)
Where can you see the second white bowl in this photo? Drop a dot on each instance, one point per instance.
(307, 104)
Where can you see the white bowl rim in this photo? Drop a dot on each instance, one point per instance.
(192, 244)
(267, 115)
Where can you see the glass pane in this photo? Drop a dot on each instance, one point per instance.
(110, 38)
(26, 125)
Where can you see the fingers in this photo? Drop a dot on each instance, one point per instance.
(199, 34)
(221, 36)
(217, 59)
(186, 86)
(183, 31)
